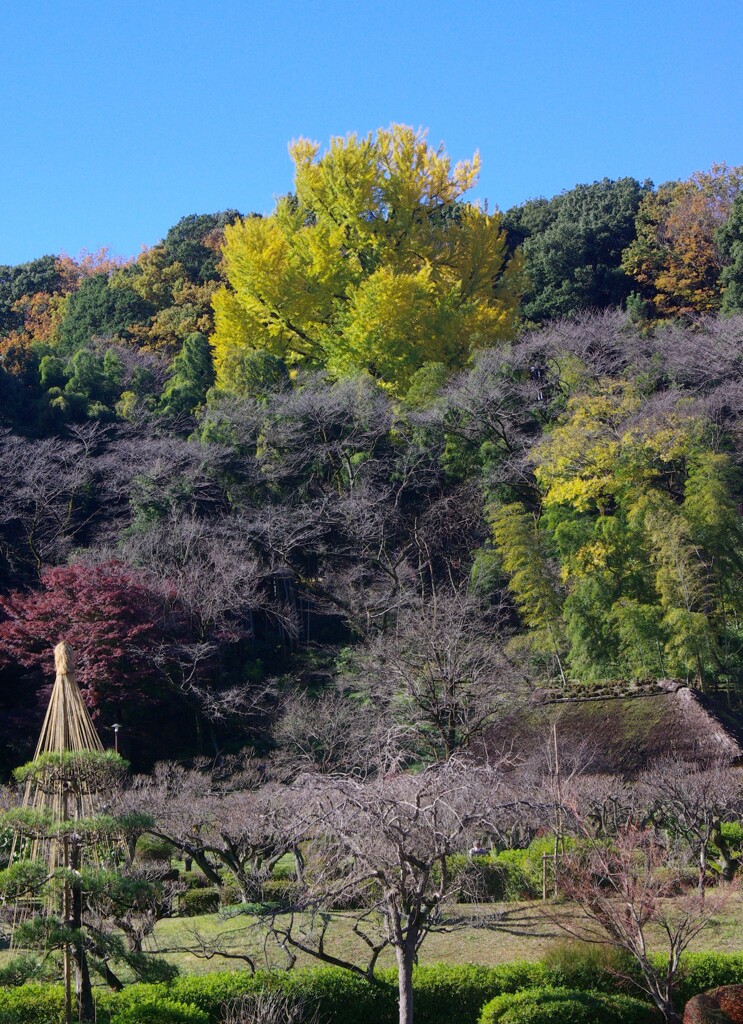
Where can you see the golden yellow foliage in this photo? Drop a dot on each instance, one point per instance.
(373, 264)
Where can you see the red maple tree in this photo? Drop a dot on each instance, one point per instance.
(119, 626)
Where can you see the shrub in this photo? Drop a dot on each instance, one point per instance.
(229, 893)
(517, 974)
(157, 1010)
(702, 971)
(340, 997)
(150, 848)
(26, 967)
(448, 993)
(337, 996)
(529, 863)
(283, 891)
(566, 1006)
(586, 965)
(443, 993)
(212, 991)
(193, 880)
(483, 879)
(32, 1004)
(193, 902)
(266, 1008)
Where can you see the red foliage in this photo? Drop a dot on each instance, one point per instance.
(115, 622)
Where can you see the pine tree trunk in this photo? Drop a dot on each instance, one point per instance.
(83, 988)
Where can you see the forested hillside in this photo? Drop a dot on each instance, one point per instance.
(382, 459)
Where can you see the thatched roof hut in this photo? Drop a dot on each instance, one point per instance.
(625, 734)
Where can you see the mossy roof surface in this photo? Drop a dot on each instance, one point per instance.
(623, 735)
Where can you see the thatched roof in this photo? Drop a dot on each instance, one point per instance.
(625, 734)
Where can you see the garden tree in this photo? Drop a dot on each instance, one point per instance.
(675, 258)
(729, 240)
(226, 816)
(623, 888)
(383, 846)
(193, 375)
(63, 831)
(373, 264)
(572, 247)
(692, 802)
(97, 309)
(441, 673)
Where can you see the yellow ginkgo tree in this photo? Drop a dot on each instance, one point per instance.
(374, 263)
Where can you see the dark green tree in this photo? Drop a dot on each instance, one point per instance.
(186, 243)
(99, 308)
(41, 275)
(192, 377)
(572, 247)
(730, 244)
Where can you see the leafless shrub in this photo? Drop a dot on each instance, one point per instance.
(267, 1008)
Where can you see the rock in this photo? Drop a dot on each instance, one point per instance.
(719, 1006)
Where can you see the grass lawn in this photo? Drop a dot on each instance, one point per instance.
(488, 935)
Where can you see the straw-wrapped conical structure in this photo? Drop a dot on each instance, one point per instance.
(65, 794)
(67, 725)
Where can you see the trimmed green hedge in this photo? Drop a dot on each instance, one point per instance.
(194, 902)
(32, 1004)
(157, 1010)
(444, 993)
(566, 1006)
(703, 971)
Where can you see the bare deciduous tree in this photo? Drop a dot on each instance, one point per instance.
(442, 672)
(624, 889)
(220, 817)
(691, 800)
(382, 846)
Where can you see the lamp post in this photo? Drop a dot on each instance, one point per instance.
(116, 726)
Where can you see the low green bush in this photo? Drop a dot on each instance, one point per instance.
(32, 1004)
(158, 1010)
(284, 891)
(285, 869)
(452, 993)
(194, 902)
(483, 879)
(338, 996)
(587, 965)
(194, 880)
(700, 972)
(209, 992)
(26, 967)
(151, 848)
(566, 1006)
(443, 993)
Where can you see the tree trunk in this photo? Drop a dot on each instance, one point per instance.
(83, 988)
(405, 984)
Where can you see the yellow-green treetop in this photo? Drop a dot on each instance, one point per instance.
(374, 263)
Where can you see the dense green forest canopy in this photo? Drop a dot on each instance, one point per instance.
(272, 461)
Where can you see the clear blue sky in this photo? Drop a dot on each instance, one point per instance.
(118, 118)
